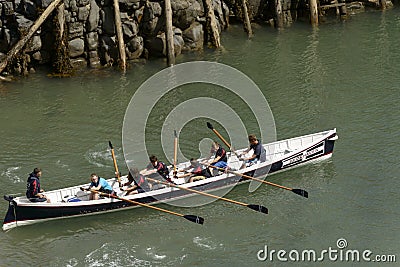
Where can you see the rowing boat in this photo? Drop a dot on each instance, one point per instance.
(72, 201)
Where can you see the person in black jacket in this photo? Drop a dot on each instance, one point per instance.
(33, 191)
(157, 166)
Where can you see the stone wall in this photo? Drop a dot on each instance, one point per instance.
(91, 34)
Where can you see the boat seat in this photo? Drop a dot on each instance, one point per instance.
(82, 195)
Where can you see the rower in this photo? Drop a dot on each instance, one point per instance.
(156, 166)
(137, 183)
(220, 158)
(259, 153)
(196, 171)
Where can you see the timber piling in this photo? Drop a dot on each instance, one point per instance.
(169, 35)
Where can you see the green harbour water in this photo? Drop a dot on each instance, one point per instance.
(343, 75)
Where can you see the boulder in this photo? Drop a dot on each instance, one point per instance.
(8, 8)
(76, 47)
(193, 37)
(149, 23)
(78, 63)
(75, 30)
(185, 12)
(94, 60)
(83, 12)
(92, 40)
(35, 44)
(94, 16)
(23, 24)
(82, 3)
(178, 44)
(130, 4)
(73, 6)
(37, 56)
(130, 29)
(156, 45)
(108, 50)
(134, 48)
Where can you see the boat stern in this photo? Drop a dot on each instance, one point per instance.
(330, 142)
(10, 221)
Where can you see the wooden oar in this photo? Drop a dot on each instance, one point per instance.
(115, 163)
(209, 125)
(175, 151)
(300, 192)
(192, 218)
(258, 208)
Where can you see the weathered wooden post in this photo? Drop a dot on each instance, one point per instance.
(383, 4)
(20, 44)
(169, 35)
(336, 3)
(61, 64)
(212, 22)
(120, 36)
(314, 12)
(278, 14)
(61, 20)
(247, 19)
(343, 10)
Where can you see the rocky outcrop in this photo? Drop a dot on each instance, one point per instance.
(90, 29)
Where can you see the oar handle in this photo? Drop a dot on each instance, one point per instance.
(115, 163)
(209, 125)
(175, 151)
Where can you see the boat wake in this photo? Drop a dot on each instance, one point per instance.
(10, 173)
(100, 156)
(204, 242)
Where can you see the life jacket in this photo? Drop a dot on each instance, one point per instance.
(162, 169)
(142, 183)
(32, 186)
(222, 153)
(197, 170)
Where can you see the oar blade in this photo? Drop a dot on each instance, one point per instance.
(300, 192)
(111, 146)
(209, 125)
(194, 218)
(258, 208)
(175, 134)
